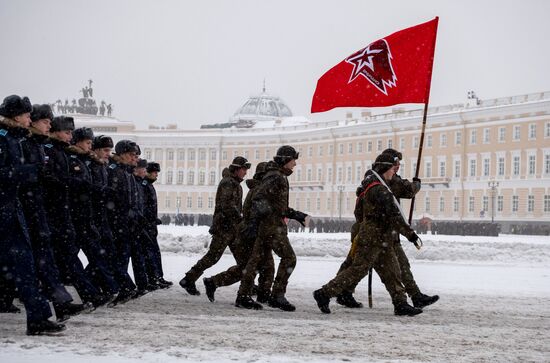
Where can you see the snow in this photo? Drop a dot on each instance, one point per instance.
(493, 308)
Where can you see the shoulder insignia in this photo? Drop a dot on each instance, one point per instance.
(144, 182)
(49, 146)
(74, 156)
(3, 132)
(112, 166)
(46, 157)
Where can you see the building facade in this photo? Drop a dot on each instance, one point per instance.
(481, 160)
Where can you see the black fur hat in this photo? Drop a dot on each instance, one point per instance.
(393, 153)
(102, 141)
(152, 167)
(239, 162)
(83, 133)
(62, 123)
(285, 154)
(142, 163)
(383, 163)
(125, 146)
(14, 106)
(41, 112)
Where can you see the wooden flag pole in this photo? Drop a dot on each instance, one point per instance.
(416, 173)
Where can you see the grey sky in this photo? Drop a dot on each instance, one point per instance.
(195, 62)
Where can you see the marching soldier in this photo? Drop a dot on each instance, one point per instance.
(227, 216)
(381, 220)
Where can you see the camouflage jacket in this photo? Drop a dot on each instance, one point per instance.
(229, 199)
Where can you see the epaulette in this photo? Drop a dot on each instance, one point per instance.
(49, 146)
(3, 132)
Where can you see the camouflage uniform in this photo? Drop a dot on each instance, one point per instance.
(227, 216)
(376, 208)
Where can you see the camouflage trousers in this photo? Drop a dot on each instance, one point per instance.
(219, 243)
(378, 255)
(406, 275)
(271, 237)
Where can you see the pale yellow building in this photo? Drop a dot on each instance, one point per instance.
(476, 155)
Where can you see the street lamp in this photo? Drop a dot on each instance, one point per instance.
(340, 190)
(493, 185)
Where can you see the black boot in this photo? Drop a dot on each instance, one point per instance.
(323, 301)
(122, 298)
(346, 299)
(12, 309)
(263, 297)
(189, 286)
(402, 309)
(101, 300)
(64, 311)
(420, 300)
(246, 302)
(280, 302)
(45, 327)
(139, 293)
(210, 288)
(163, 284)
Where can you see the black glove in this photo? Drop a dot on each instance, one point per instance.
(297, 216)
(415, 240)
(159, 222)
(415, 179)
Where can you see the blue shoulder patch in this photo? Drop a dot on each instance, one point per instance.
(112, 166)
(49, 146)
(3, 132)
(144, 182)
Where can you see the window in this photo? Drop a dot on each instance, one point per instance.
(341, 149)
(189, 202)
(457, 168)
(331, 149)
(329, 204)
(443, 140)
(442, 169)
(547, 129)
(170, 155)
(473, 167)
(320, 150)
(202, 177)
(212, 180)
(455, 204)
(349, 175)
(547, 164)
(473, 137)
(485, 203)
(210, 202)
(471, 204)
(309, 174)
(180, 177)
(148, 154)
(427, 204)
(257, 154)
(390, 144)
(500, 166)
(339, 175)
(532, 131)
(318, 204)
(359, 147)
(428, 173)
(169, 177)
(191, 154)
(486, 136)
(415, 142)
(517, 133)
(181, 155)
(516, 165)
(530, 203)
(358, 174)
(547, 203)
(515, 203)
(267, 154)
(369, 146)
(502, 134)
(310, 151)
(429, 141)
(319, 174)
(224, 155)
(299, 175)
(202, 154)
(486, 166)
(246, 154)
(500, 203)
(329, 175)
(458, 138)
(402, 143)
(199, 202)
(350, 148)
(191, 177)
(213, 154)
(378, 145)
(167, 202)
(308, 204)
(532, 164)
(178, 203)
(441, 204)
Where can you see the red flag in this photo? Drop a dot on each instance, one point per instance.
(395, 69)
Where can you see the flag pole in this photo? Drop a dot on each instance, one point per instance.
(424, 118)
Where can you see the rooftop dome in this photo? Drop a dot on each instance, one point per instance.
(262, 107)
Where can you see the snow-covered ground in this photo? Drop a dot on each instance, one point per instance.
(494, 307)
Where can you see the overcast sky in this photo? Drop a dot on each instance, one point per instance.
(196, 62)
